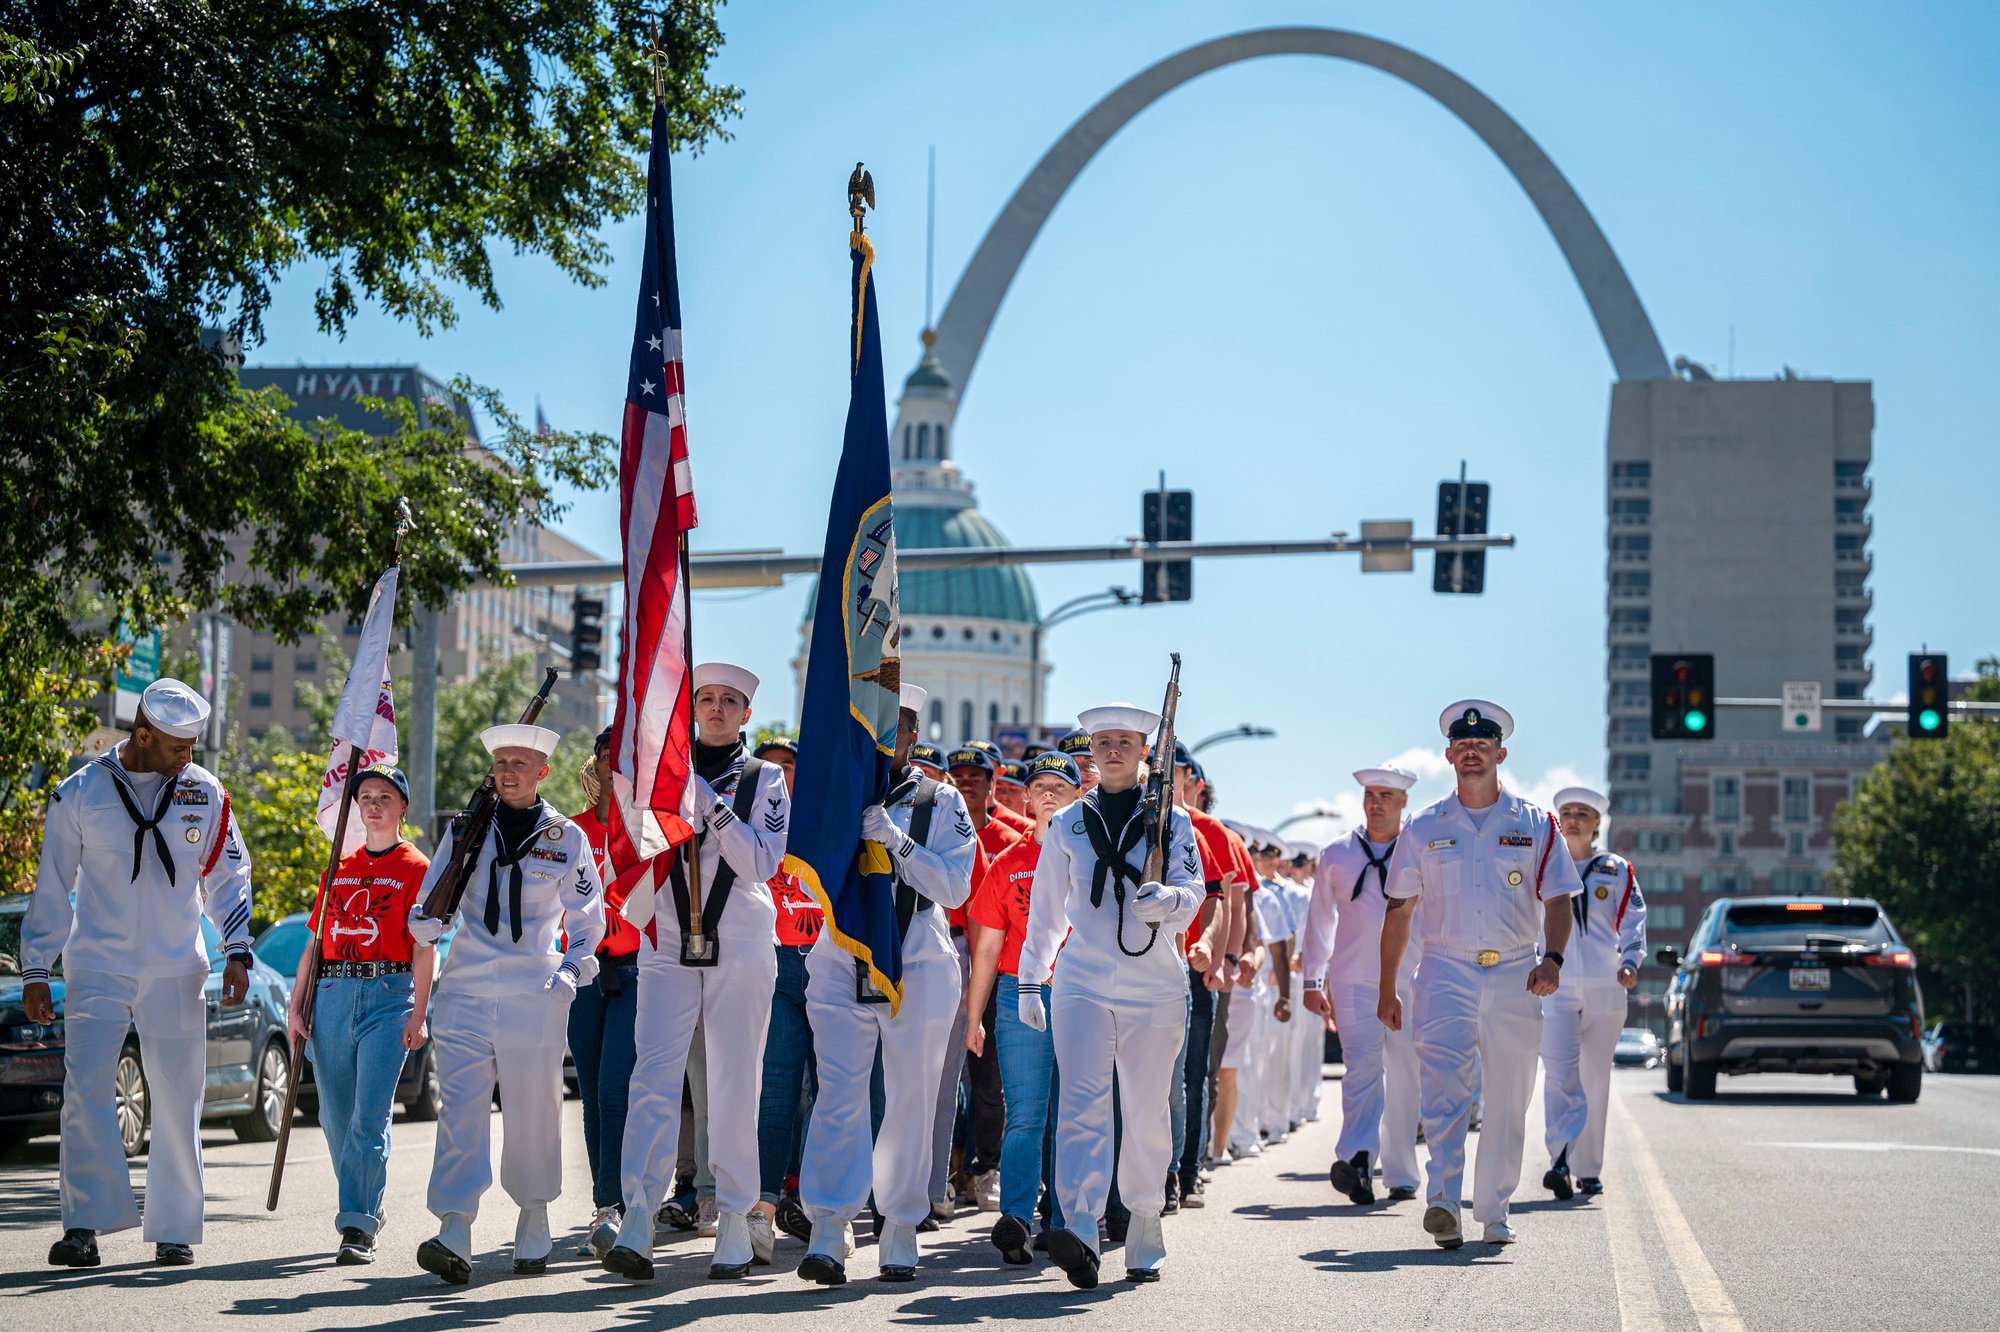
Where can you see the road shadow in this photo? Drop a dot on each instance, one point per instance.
(1727, 1098)
(1471, 1254)
(145, 1274)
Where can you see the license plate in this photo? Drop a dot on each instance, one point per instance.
(1812, 978)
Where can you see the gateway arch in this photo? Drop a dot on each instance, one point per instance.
(1621, 319)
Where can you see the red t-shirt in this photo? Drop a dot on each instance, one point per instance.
(368, 917)
(620, 939)
(980, 860)
(799, 917)
(996, 837)
(1001, 902)
(1016, 824)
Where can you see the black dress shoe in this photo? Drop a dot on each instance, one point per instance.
(627, 1263)
(896, 1272)
(1171, 1203)
(1402, 1194)
(76, 1248)
(1074, 1257)
(823, 1268)
(1193, 1192)
(1141, 1276)
(530, 1266)
(173, 1255)
(356, 1247)
(1010, 1236)
(1556, 1181)
(434, 1257)
(793, 1221)
(1353, 1178)
(1041, 1244)
(1590, 1186)
(927, 1226)
(1116, 1227)
(728, 1271)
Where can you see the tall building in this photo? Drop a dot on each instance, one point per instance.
(969, 635)
(1738, 526)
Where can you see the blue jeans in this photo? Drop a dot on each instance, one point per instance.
(357, 1056)
(1028, 1081)
(788, 1067)
(1191, 1106)
(601, 1043)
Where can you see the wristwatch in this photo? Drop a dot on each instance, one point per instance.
(1553, 956)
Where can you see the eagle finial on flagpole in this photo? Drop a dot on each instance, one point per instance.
(860, 195)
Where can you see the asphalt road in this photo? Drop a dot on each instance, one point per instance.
(1782, 1204)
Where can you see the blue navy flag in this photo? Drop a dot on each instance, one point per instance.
(847, 731)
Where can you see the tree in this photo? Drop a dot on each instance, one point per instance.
(1922, 837)
(167, 162)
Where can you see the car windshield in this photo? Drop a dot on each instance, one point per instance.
(283, 944)
(1799, 924)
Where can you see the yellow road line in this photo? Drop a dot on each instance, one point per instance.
(1713, 1308)
(1638, 1302)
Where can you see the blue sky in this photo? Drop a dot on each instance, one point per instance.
(1306, 291)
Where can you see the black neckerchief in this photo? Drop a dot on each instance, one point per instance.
(514, 832)
(1381, 867)
(711, 762)
(1580, 904)
(1102, 813)
(140, 824)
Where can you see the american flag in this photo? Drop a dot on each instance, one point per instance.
(649, 737)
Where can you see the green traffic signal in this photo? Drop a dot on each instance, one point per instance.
(1928, 719)
(1696, 721)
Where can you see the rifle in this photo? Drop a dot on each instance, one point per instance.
(469, 827)
(1160, 788)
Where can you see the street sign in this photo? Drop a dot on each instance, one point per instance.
(1398, 558)
(140, 669)
(1801, 710)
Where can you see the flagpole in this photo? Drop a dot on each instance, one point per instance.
(695, 946)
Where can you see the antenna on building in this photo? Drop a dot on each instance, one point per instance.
(930, 234)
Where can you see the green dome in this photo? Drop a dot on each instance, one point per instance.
(928, 375)
(993, 593)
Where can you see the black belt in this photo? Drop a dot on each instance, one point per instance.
(360, 970)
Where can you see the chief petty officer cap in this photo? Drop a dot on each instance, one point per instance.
(1062, 765)
(1118, 717)
(929, 757)
(776, 742)
(1582, 795)
(393, 776)
(1386, 774)
(722, 673)
(911, 698)
(172, 708)
(1076, 742)
(1015, 771)
(516, 736)
(1475, 718)
(970, 757)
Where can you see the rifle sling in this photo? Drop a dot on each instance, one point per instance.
(742, 803)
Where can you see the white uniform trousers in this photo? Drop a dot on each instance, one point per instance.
(1139, 1044)
(1308, 1059)
(838, 1168)
(1276, 1116)
(1580, 1026)
(517, 1042)
(1254, 1005)
(731, 1002)
(1378, 1090)
(948, 1079)
(1478, 1032)
(98, 1010)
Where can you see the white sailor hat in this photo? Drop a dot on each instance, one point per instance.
(1582, 795)
(1476, 717)
(172, 708)
(1386, 774)
(911, 698)
(722, 673)
(516, 736)
(1118, 717)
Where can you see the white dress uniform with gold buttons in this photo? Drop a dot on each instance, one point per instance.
(1480, 877)
(130, 864)
(1581, 1021)
(1117, 1005)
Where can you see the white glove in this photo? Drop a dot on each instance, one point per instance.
(697, 799)
(1152, 905)
(1030, 1008)
(564, 978)
(425, 930)
(877, 826)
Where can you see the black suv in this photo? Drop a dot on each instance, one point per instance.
(1795, 985)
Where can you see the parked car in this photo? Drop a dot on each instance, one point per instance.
(1795, 985)
(1962, 1047)
(1637, 1048)
(249, 1060)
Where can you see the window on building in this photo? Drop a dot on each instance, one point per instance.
(1625, 730)
(1795, 882)
(1724, 882)
(1660, 843)
(1631, 583)
(1728, 799)
(965, 721)
(1631, 473)
(937, 631)
(1631, 512)
(1849, 617)
(1631, 546)
(1017, 715)
(941, 452)
(1846, 506)
(260, 661)
(1631, 802)
(1846, 541)
(1850, 470)
(1666, 917)
(260, 698)
(1850, 580)
(1631, 691)
(937, 721)
(1798, 844)
(1847, 729)
(906, 441)
(1847, 689)
(1631, 767)
(350, 630)
(1848, 653)
(1658, 882)
(992, 717)
(1798, 799)
(305, 663)
(1725, 843)
(1631, 618)
(923, 441)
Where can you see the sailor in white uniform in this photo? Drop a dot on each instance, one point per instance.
(502, 1008)
(1343, 981)
(924, 826)
(1307, 1050)
(1581, 1021)
(739, 809)
(1118, 1006)
(138, 845)
(1485, 875)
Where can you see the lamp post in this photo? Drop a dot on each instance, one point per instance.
(1320, 811)
(1244, 732)
(1108, 599)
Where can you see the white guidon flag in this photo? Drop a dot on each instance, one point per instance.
(366, 717)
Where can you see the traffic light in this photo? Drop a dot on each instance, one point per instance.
(1167, 515)
(1929, 719)
(1461, 512)
(586, 633)
(1683, 696)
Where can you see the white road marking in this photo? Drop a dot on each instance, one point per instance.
(1880, 1147)
(1713, 1308)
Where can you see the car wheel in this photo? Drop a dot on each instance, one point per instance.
(1701, 1079)
(423, 1107)
(267, 1107)
(1906, 1082)
(135, 1102)
(1676, 1073)
(1870, 1084)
